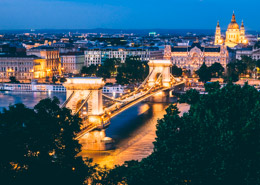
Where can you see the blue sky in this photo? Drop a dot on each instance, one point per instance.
(126, 14)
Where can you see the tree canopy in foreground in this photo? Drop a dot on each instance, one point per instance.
(38, 146)
(216, 142)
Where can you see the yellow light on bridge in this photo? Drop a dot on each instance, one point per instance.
(159, 93)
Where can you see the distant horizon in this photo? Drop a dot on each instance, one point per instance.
(161, 31)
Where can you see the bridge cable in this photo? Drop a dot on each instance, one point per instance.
(83, 103)
(67, 101)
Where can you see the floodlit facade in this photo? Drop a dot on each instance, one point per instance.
(192, 57)
(234, 34)
(48, 64)
(19, 67)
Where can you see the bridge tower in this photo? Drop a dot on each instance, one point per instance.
(160, 68)
(84, 96)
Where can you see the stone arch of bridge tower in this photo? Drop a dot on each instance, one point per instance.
(162, 67)
(86, 89)
(157, 76)
(85, 107)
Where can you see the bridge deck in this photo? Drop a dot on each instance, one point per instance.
(123, 107)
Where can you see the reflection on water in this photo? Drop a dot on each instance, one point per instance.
(30, 99)
(134, 133)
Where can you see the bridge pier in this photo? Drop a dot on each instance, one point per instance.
(96, 140)
(160, 97)
(85, 99)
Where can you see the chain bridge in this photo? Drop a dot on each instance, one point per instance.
(85, 98)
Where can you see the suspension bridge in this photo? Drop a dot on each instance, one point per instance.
(85, 98)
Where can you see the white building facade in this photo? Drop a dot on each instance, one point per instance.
(96, 56)
(72, 63)
(253, 52)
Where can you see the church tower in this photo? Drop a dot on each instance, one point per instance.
(242, 38)
(218, 39)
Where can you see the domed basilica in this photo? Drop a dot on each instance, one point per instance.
(234, 34)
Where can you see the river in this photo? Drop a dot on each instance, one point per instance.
(133, 130)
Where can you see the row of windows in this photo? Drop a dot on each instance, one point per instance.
(16, 63)
(206, 60)
(17, 75)
(16, 69)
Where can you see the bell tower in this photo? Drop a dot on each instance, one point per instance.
(242, 37)
(218, 39)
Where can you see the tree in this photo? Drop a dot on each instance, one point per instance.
(191, 97)
(176, 71)
(206, 145)
(216, 69)
(204, 73)
(13, 79)
(39, 145)
(63, 79)
(249, 63)
(234, 70)
(132, 71)
(211, 87)
(54, 79)
(47, 79)
(89, 71)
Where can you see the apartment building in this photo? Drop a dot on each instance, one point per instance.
(96, 56)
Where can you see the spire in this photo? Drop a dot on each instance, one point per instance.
(218, 24)
(242, 24)
(233, 17)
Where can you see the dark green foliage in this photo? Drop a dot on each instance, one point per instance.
(216, 142)
(232, 73)
(13, 79)
(204, 73)
(132, 71)
(177, 72)
(38, 146)
(47, 79)
(89, 71)
(211, 87)
(106, 70)
(216, 69)
(62, 80)
(54, 79)
(245, 66)
(191, 97)
(249, 63)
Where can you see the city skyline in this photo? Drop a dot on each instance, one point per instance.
(115, 14)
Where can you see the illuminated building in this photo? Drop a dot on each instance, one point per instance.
(234, 34)
(72, 62)
(192, 57)
(20, 67)
(96, 56)
(253, 52)
(48, 63)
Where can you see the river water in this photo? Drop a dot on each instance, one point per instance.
(134, 130)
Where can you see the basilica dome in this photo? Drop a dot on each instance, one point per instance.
(233, 24)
